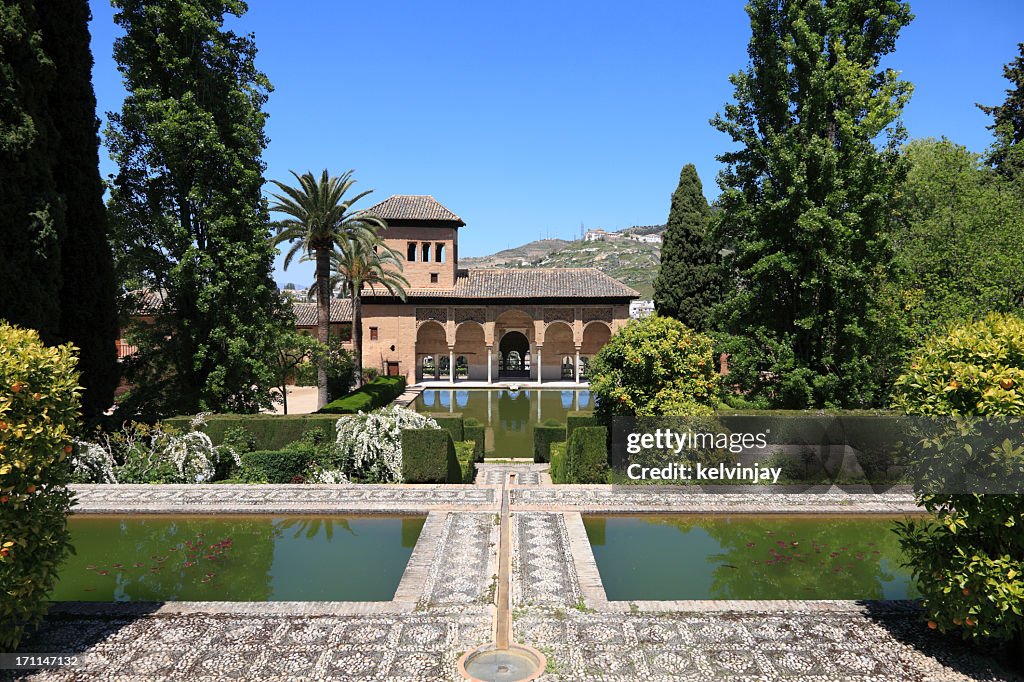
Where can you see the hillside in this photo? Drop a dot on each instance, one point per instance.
(527, 253)
(630, 262)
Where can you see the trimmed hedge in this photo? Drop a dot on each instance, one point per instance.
(466, 452)
(557, 469)
(544, 435)
(39, 403)
(587, 455)
(473, 430)
(269, 431)
(372, 395)
(450, 422)
(274, 466)
(428, 456)
(578, 418)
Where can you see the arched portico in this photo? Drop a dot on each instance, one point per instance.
(595, 336)
(432, 357)
(560, 352)
(470, 352)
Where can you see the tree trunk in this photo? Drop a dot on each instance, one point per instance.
(284, 396)
(357, 335)
(323, 320)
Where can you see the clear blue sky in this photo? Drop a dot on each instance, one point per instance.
(529, 118)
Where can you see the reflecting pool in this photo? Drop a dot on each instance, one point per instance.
(236, 558)
(748, 557)
(508, 415)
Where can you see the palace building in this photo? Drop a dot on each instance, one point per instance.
(485, 325)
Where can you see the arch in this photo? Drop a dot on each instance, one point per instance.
(595, 335)
(514, 356)
(559, 342)
(431, 348)
(471, 351)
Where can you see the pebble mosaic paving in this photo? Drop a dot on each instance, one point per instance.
(447, 602)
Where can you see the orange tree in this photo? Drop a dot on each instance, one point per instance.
(655, 366)
(39, 408)
(969, 559)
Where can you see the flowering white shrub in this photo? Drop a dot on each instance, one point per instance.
(369, 445)
(330, 476)
(147, 454)
(92, 463)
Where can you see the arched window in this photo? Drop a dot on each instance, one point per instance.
(427, 365)
(439, 252)
(567, 366)
(426, 252)
(461, 367)
(526, 361)
(442, 363)
(410, 252)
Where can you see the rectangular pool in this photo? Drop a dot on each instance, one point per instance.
(748, 557)
(236, 558)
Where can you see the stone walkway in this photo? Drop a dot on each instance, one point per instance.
(444, 604)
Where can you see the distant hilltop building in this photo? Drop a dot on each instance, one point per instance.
(646, 238)
(638, 309)
(600, 235)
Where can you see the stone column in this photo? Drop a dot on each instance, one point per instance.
(451, 365)
(489, 365)
(576, 367)
(540, 368)
(451, 400)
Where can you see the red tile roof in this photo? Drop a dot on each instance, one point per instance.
(414, 207)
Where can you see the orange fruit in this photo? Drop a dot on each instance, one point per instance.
(17, 387)
(958, 621)
(4, 499)
(966, 591)
(954, 384)
(68, 449)
(932, 624)
(30, 489)
(1006, 384)
(971, 622)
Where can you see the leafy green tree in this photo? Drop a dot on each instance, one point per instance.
(321, 220)
(191, 222)
(1007, 153)
(33, 215)
(688, 282)
(807, 195)
(88, 310)
(952, 198)
(367, 265)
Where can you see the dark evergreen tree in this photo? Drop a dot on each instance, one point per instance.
(31, 214)
(1007, 154)
(88, 313)
(807, 198)
(189, 217)
(688, 282)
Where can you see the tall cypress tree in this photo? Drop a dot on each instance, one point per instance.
(189, 217)
(1007, 153)
(88, 313)
(687, 285)
(31, 212)
(807, 196)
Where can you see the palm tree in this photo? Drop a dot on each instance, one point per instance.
(360, 264)
(321, 220)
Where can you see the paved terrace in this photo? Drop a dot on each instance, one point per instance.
(444, 603)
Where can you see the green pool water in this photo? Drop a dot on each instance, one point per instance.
(508, 415)
(748, 557)
(236, 558)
